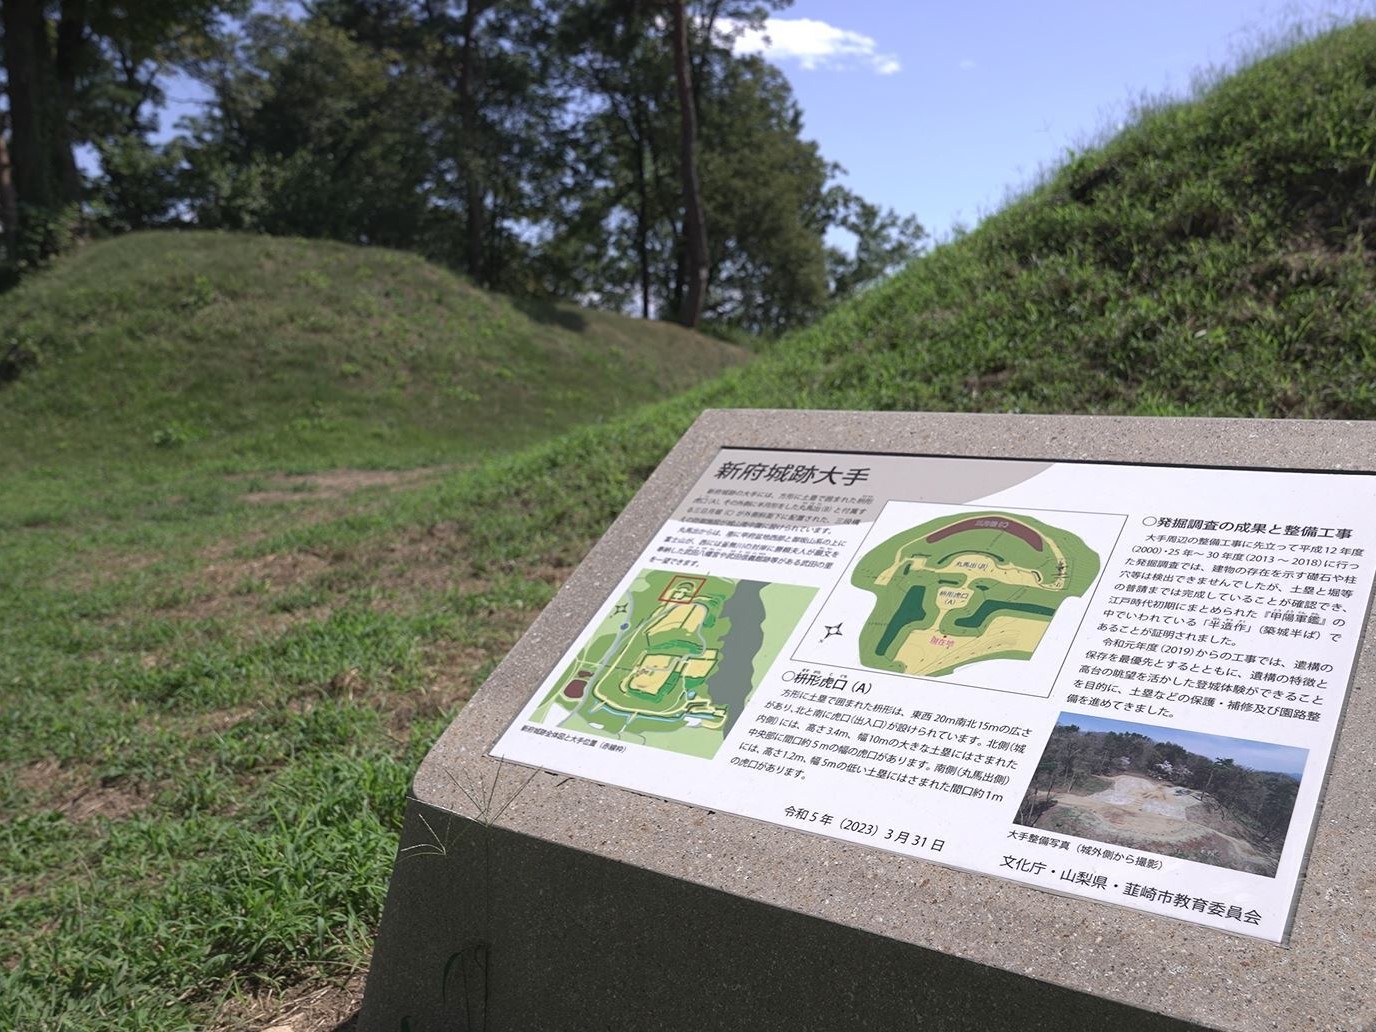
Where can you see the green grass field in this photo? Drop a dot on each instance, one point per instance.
(270, 510)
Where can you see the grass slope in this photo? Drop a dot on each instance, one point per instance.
(265, 351)
(209, 709)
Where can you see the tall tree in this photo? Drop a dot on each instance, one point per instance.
(491, 129)
(764, 188)
(53, 52)
(37, 128)
(620, 195)
(315, 134)
(623, 231)
(470, 150)
(694, 220)
(9, 201)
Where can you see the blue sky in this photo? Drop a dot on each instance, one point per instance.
(1245, 753)
(941, 109)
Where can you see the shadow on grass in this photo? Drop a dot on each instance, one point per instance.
(551, 313)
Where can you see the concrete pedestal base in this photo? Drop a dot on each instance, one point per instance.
(510, 931)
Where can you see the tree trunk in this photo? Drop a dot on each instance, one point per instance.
(9, 205)
(656, 188)
(28, 67)
(71, 40)
(694, 222)
(680, 270)
(472, 171)
(642, 214)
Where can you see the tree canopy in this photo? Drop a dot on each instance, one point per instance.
(615, 152)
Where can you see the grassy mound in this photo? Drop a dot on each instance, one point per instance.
(271, 352)
(1214, 258)
(210, 703)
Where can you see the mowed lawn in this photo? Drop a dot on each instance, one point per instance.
(208, 731)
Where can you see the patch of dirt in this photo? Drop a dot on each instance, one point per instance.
(91, 570)
(310, 1007)
(198, 724)
(235, 587)
(77, 793)
(453, 674)
(1159, 817)
(271, 525)
(433, 560)
(1307, 259)
(422, 560)
(314, 487)
(265, 572)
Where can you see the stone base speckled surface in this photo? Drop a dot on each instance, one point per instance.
(525, 900)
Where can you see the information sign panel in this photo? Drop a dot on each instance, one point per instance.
(1118, 682)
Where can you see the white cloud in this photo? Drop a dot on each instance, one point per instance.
(966, 65)
(816, 45)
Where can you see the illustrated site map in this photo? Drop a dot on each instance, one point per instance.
(967, 587)
(674, 662)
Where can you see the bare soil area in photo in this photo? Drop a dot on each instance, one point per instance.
(1159, 817)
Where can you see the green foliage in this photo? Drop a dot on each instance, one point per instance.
(884, 242)
(141, 182)
(764, 190)
(224, 193)
(173, 435)
(534, 147)
(42, 233)
(314, 135)
(87, 73)
(618, 234)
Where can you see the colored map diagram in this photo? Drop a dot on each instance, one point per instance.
(967, 587)
(674, 662)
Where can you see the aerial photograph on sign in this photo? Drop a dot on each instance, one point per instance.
(1208, 798)
(967, 587)
(675, 660)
